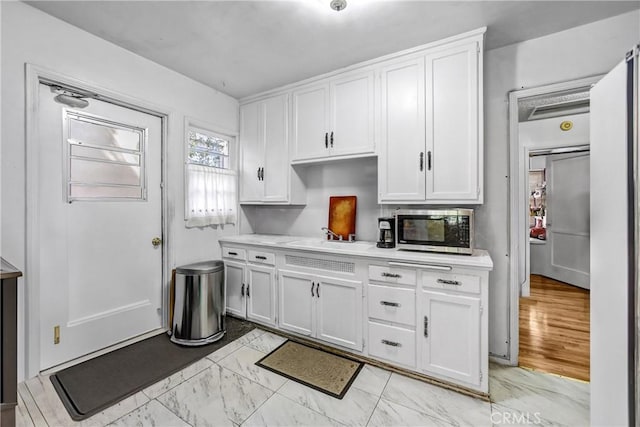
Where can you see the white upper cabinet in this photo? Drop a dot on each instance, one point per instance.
(334, 119)
(431, 127)
(265, 173)
(453, 132)
(401, 161)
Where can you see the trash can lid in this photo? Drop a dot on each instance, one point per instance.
(203, 267)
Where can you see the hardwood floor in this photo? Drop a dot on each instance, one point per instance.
(554, 328)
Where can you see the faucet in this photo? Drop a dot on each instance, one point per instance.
(331, 234)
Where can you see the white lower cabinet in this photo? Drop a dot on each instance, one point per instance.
(261, 294)
(326, 308)
(234, 273)
(393, 344)
(450, 336)
(250, 288)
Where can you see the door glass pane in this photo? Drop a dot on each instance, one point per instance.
(103, 134)
(107, 155)
(85, 191)
(105, 159)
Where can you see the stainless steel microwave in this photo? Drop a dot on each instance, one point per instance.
(435, 230)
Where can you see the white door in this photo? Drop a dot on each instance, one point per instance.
(276, 145)
(402, 157)
(568, 218)
(339, 312)
(451, 336)
(297, 302)
(100, 207)
(234, 276)
(261, 294)
(252, 152)
(351, 129)
(452, 124)
(310, 123)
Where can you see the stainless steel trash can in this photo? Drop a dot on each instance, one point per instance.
(198, 310)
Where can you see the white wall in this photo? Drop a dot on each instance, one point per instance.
(31, 36)
(579, 52)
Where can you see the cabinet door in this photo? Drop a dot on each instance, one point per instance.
(252, 151)
(401, 160)
(451, 336)
(276, 146)
(310, 123)
(452, 94)
(261, 294)
(339, 312)
(351, 130)
(234, 277)
(297, 304)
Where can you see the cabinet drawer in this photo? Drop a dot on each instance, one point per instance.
(234, 253)
(392, 275)
(262, 257)
(397, 345)
(452, 282)
(392, 304)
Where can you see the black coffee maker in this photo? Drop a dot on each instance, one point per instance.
(386, 232)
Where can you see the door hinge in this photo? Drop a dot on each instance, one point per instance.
(481, 376)
(56, 334)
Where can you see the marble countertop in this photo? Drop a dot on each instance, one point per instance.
(8, 271)
(480, 258)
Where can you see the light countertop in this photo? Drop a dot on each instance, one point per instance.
(8, 271)
(480, 258)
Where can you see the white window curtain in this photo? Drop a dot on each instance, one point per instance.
(212, 196)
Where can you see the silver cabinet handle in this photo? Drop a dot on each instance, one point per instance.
(394, 275)
(426, 326)
(248, 291)
(318, 289)
(331, 141)
(391, 343)
(261, 257)
(242, 290)
(233, 253)
(312, 285)
(449, 282)
(389, 304)
(421, 161)
(429, 160)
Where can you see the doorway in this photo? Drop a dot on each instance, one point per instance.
(550, 229)
(99, 224)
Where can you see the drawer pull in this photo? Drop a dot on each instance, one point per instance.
(390, 304)
(426, 326)
(261, 257)
(394, 275)
(233, 253)
(449, 282)
(391, 343)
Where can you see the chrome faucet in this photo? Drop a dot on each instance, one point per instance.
(331, 234)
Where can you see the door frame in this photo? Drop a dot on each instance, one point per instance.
(518, 241)
(34, 75)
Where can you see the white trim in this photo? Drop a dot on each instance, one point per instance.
(33, 75)
(520, 241)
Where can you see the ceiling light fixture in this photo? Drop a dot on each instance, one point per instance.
(338, 5)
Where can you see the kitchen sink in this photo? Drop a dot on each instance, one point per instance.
(332, 244)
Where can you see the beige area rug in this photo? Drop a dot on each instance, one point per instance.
(322, 371)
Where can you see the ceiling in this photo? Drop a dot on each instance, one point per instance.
(246, 47)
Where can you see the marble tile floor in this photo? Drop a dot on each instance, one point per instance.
(227, 389)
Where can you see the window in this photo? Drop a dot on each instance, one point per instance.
(211, 181)
(105, 160)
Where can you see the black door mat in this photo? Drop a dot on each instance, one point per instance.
(92, 386)
(323, 371)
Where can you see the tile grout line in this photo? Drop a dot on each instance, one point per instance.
(177, 415)
(33, 423)
(35, 402)
(312, 410)
(379, 399)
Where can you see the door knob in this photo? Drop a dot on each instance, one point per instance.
(156, 242)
